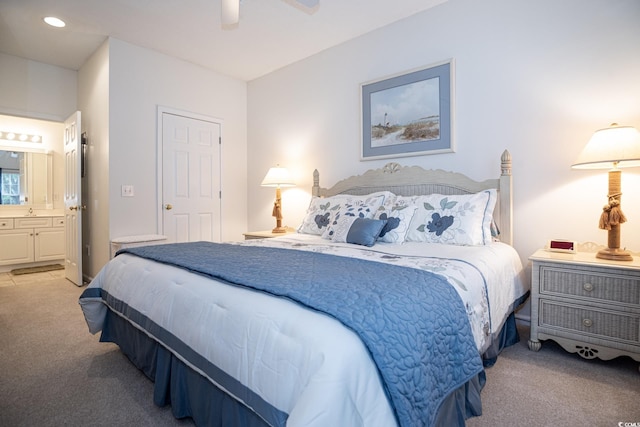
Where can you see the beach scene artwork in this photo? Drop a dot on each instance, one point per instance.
(406, 114)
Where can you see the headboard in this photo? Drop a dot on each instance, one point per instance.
(414, 180)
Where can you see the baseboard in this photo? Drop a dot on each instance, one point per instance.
(523, 319)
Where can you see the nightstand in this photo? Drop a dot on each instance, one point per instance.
(267, 234)
(587, 305)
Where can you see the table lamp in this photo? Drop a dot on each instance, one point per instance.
(278, 177)
(612, 148)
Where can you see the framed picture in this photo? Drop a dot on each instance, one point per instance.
(408, 114)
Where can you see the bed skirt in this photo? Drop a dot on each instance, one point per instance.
(191, 395)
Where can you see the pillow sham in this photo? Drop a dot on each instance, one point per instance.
(453, 219)
(398, 212)
(360, 231)
(357, 208)
(323, 210)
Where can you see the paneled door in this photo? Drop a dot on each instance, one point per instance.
(190, 169)
(72, 199)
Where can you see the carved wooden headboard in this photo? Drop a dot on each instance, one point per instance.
(414, 180)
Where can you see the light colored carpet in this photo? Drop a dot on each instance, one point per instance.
(54, 373)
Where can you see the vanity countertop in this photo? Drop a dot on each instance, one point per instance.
(49, 213)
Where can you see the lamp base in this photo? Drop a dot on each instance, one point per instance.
(279, 230)
(614, 254)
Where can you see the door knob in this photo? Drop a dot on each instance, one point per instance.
(73, 208)
(168, 207)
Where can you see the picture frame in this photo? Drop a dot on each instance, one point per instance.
(409, 114)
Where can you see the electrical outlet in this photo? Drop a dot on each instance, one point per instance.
(127, 191)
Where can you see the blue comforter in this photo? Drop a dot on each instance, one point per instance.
(411, 321)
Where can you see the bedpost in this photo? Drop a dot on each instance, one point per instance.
(315, 190)
(506, 201)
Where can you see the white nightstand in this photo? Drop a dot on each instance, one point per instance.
(267, 234)
(587, 305)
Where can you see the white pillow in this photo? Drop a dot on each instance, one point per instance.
(397, 211)
(453, 219)
(322, 211)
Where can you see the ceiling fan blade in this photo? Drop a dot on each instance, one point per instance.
(308, 6)
(229, 13)
(230, 10)
(309, 3)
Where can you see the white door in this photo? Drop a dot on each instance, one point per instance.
(190, 169)
(72, 200)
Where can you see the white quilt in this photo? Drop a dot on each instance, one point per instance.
(300, 361)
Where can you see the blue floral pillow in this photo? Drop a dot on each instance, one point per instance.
(453, 219)
(355, 208)
(398, 212)
(360, 231)
(322, 211)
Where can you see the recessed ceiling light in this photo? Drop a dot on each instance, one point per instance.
(54, 22)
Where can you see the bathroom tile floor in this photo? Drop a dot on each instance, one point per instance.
(8, 279)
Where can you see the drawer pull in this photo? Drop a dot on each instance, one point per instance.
(587, 322)
(587, 287)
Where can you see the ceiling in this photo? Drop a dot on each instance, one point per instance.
(271, 33)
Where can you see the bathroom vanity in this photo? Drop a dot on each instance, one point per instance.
(31, 239)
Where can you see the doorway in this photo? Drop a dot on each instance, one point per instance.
(189, 176)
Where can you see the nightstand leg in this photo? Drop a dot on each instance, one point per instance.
(534, 345)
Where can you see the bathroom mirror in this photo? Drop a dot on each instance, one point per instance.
(25, 178)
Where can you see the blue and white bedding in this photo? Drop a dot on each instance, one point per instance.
(297, 364)
(489, 279)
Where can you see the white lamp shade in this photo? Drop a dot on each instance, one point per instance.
(278, 177)
(615, 146)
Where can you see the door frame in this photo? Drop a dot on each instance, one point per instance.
(159, 151)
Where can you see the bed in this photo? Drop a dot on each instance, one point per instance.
(384, 309)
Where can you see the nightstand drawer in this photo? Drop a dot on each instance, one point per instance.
(621, 327)
(574, 283)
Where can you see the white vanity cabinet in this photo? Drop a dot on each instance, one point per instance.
(31, 239)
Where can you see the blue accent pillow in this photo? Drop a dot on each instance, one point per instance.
(360, 231)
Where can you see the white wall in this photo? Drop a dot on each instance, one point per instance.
(36, 90)
(140, 80)
(537, 78)
(93, 103)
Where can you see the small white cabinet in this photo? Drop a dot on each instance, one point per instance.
(31, 239)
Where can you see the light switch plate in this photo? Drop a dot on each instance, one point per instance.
(127, 190)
